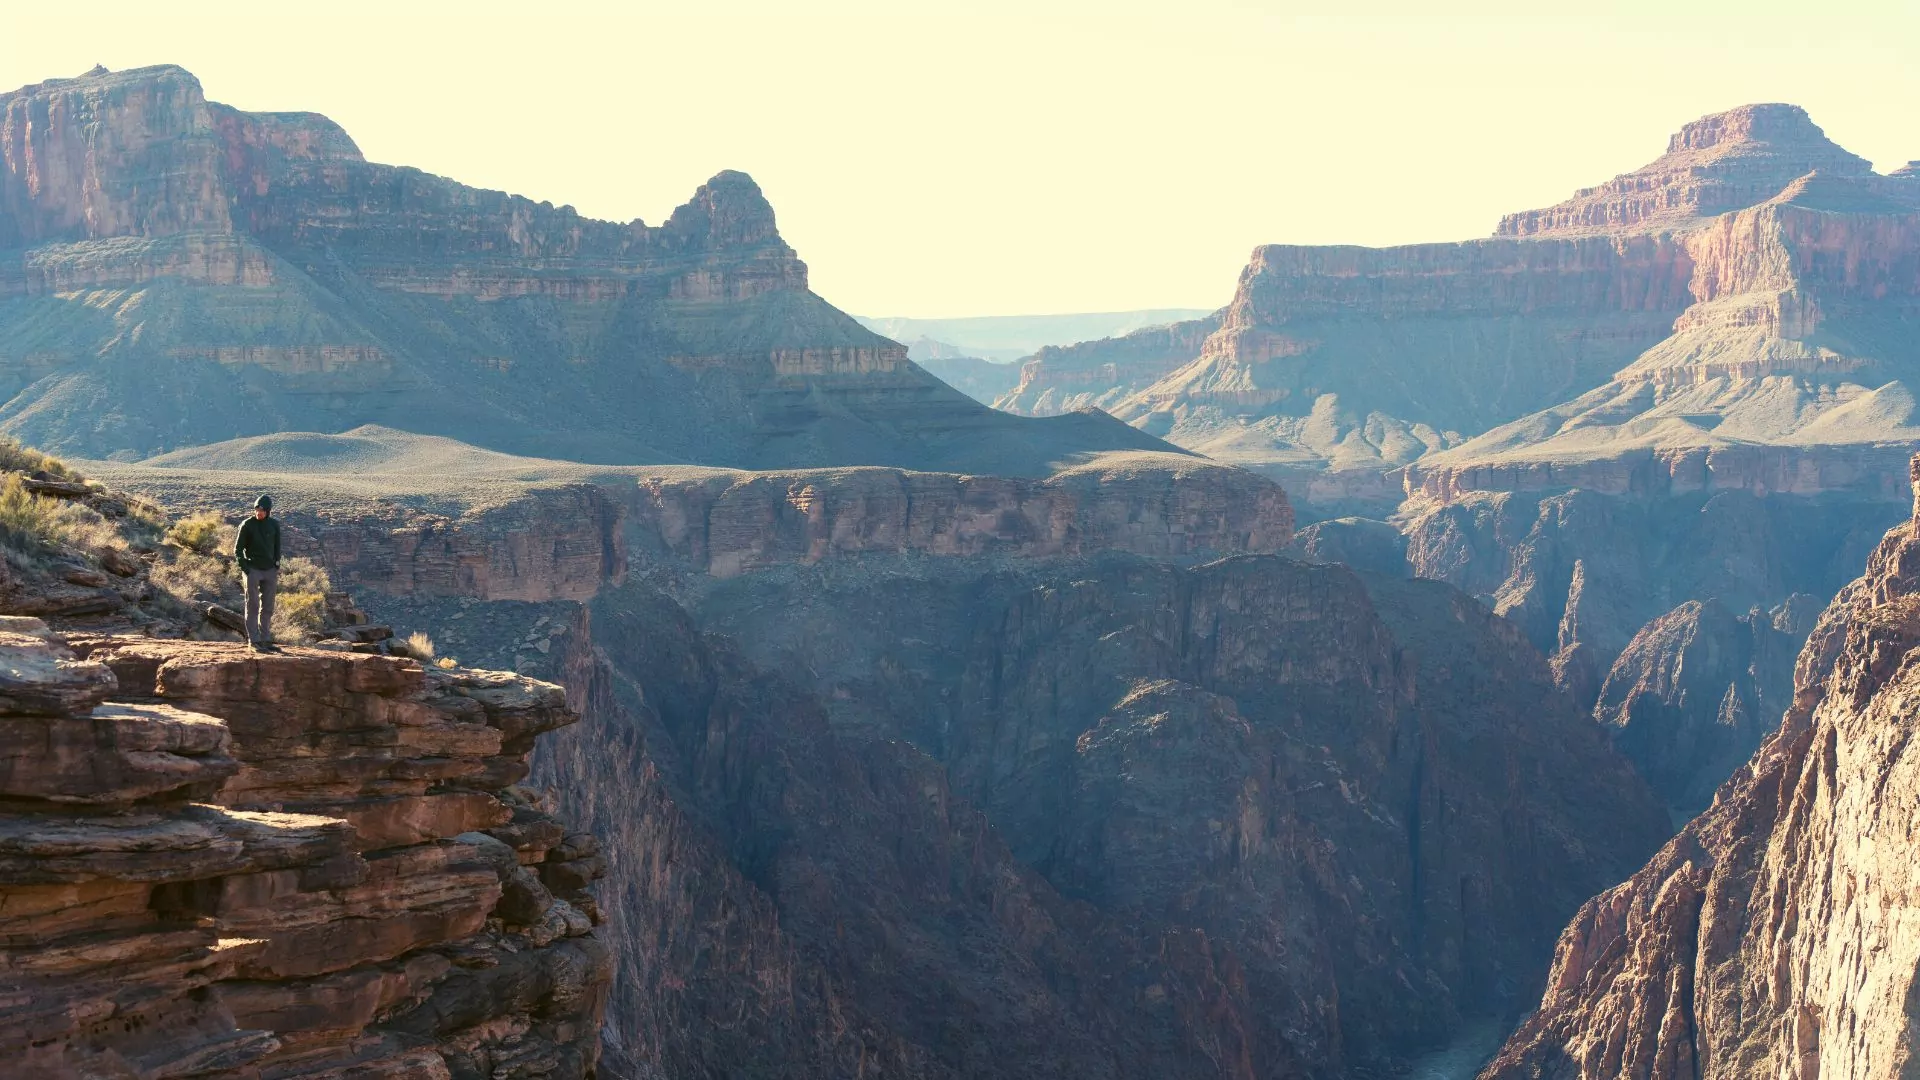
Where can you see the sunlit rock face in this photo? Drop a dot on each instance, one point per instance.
(1776, 935)
(176, 272)
(312, 864)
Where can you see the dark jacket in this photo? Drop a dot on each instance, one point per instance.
(257, 545)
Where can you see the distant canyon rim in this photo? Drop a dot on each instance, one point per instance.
(1303, 689)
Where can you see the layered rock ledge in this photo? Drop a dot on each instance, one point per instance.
(215, 863)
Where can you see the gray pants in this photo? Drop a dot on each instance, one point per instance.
(261, 585)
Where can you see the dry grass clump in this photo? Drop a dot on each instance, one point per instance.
(203, 533)
(447, 662)
(420, 646)
(23, 459)
(193, 578)
(30, 523)
(300, 606)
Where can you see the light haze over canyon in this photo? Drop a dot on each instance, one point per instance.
(926, 547)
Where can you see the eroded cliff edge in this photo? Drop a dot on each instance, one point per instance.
(215, 863)
(1777, 935)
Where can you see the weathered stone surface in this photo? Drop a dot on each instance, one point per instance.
(332, 928)
(1696, 691)
(1637, 559)
(113, 755)
(731, 523)
(39, 677)
(1128, 820)
(1776, 935)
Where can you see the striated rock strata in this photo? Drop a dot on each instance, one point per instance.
(1105, 818)
(1776, 935)
(174, 271)
(225, 865)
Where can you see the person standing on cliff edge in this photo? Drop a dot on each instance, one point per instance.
(256, 547)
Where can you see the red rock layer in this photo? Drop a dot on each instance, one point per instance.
(269, 867)
(1718, 163)
(728, 524)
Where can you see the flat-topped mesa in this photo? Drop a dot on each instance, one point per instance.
(129, 153)
(310, 864)
(1726, 161)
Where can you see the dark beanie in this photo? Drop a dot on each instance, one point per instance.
(264, 502)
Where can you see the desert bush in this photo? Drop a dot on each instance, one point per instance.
(420, 646)
(303, 575)
(447, 662)
(29, 523)
(300, 608)
(299, 616)
(191, 577)
(25, 459)
(202, 534)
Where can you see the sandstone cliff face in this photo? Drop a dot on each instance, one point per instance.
(730, 523)
(1738, 313)
(1789, 371)
(175, 271)
(1776, 935)
(220, 864)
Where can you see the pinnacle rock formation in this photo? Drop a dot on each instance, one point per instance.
(174, 271)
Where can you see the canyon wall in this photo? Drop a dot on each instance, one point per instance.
(215, 863)
(1776, 934)
(1125, 819)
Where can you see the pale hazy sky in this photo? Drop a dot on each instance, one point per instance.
(1000, 158)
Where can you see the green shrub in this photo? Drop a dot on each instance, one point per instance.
(203, 534)
(303, 575)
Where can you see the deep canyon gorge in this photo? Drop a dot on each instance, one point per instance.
(1433, 641)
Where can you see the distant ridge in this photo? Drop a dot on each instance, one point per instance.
(176, 272)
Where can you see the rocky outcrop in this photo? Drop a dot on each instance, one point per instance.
(1376, 547)
(266, 277)
(1738, 313)
(1791, 369)
(1719, 163)
(730, 523)
(1774, 936)
(1695, 692)
(1582, 572)
(217, 863)
(549, 544)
